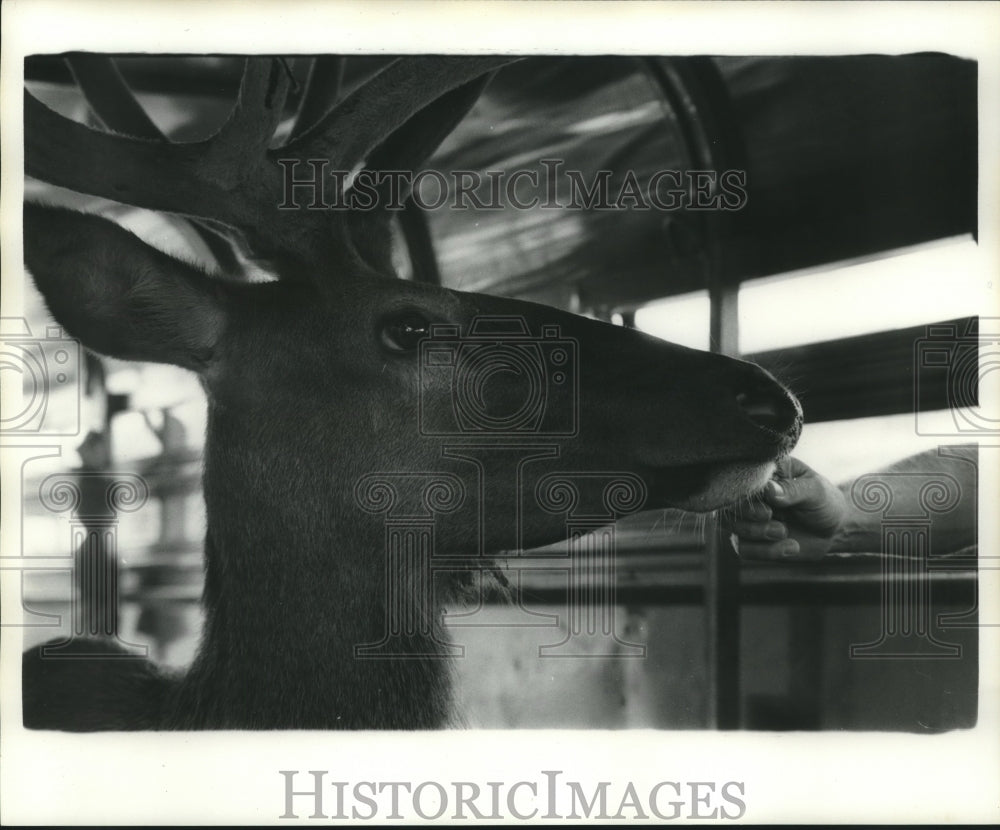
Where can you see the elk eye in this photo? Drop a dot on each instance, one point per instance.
(404, 331)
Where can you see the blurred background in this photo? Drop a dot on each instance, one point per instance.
(858, 233)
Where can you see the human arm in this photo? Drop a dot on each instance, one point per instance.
(800, 515)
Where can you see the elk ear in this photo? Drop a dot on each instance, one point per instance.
(119, 296)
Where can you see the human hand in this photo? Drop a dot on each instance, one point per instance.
(797, 516)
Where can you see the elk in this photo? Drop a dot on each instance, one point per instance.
(313, 384)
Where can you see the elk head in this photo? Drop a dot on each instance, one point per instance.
(336, 369)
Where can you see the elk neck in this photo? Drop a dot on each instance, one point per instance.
(295, 579)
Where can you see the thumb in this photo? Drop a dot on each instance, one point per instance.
(793, 482)
(791, 467)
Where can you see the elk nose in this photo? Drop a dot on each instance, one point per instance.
(769, 405)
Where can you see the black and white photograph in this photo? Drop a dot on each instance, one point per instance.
(500, 413)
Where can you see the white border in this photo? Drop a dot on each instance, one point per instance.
(232, 777)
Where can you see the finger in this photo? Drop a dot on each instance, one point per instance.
(794, 467)
(786, 548)
(784, 492)
(756, 510)
(760, 531)
(766, 551)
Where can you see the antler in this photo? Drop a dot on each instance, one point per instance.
(323, 87)
(198, 179)
(364, 119)
(113, 103)
(109, 96)
(398, 117)
(406, 149)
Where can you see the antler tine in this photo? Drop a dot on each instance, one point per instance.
(113, 102)
(408, 148)
(156, 175)
(413, 143)
(360, 122)
(193, 179)
(109, 96)
(226, 178)
(323, 87)
(238, 149)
